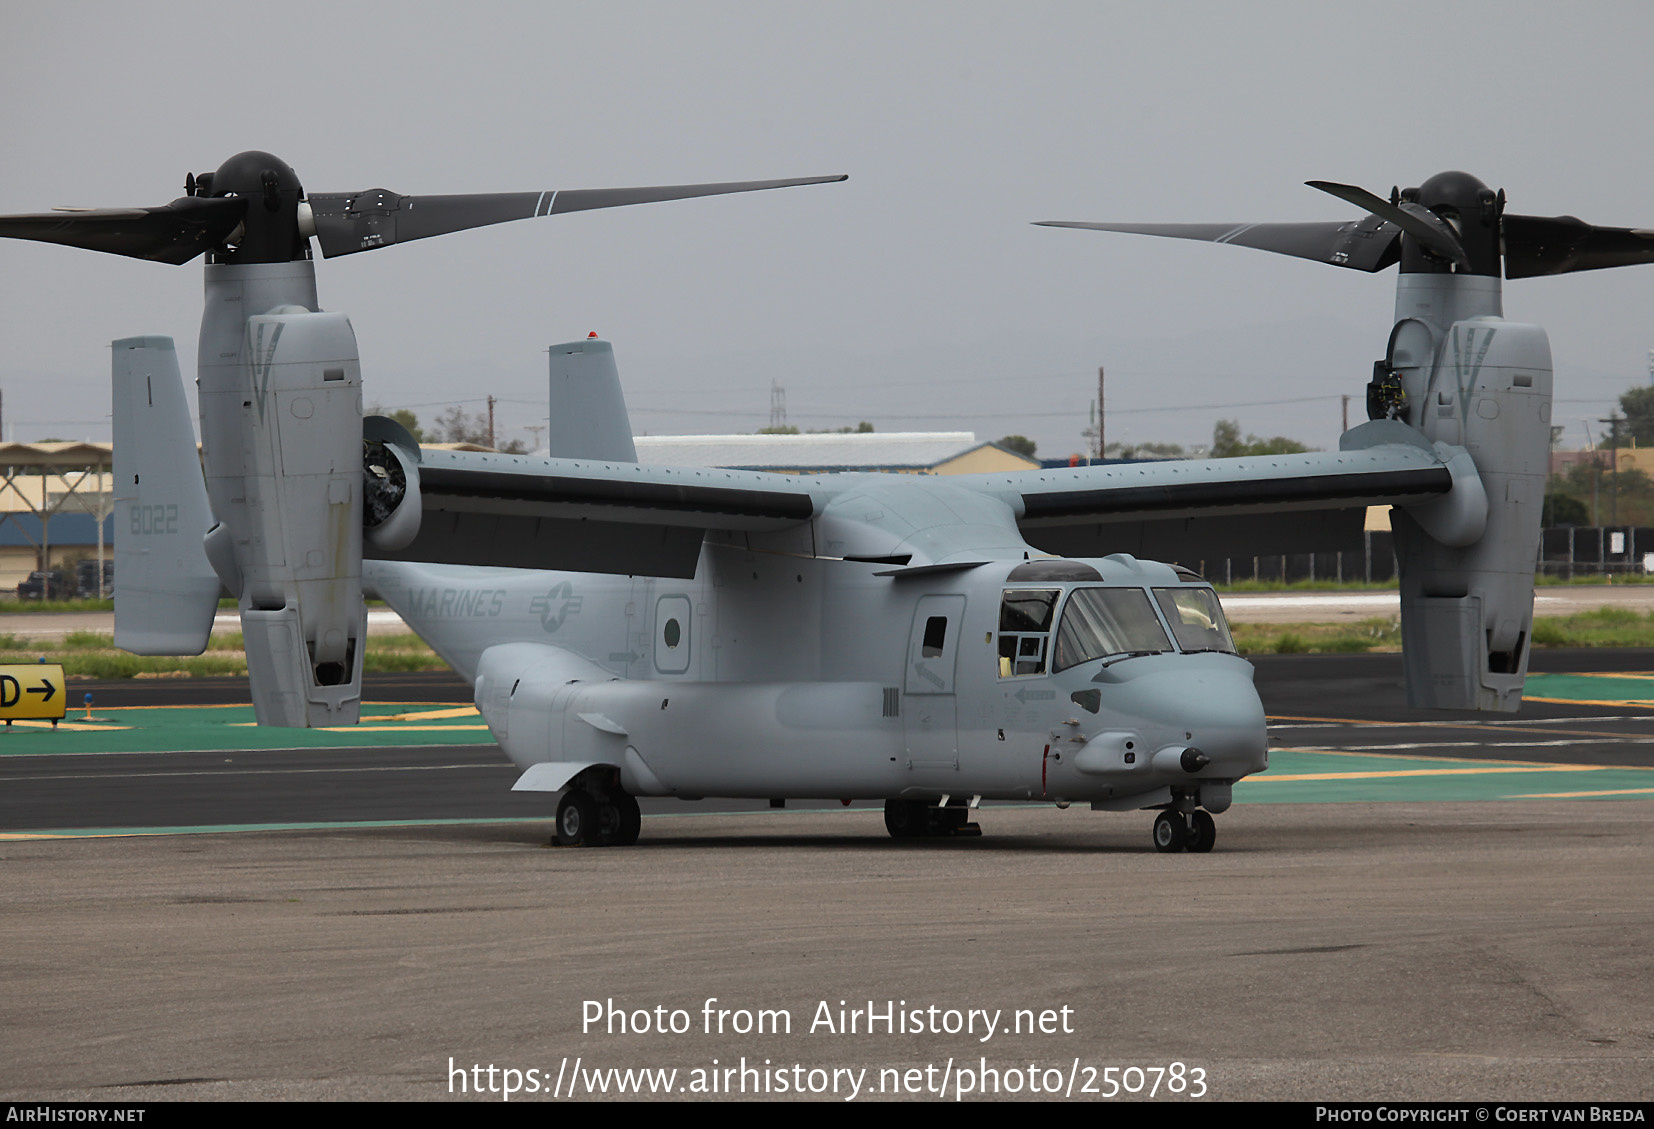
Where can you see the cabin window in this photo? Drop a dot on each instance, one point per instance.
(1196, 619)
(936, 637)
(1025, 630)
(1099, 622)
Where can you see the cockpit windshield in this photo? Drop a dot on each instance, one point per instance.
(1098, 622)
(1196, 619)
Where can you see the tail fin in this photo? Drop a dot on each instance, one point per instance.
(588, 411)
(167, 591)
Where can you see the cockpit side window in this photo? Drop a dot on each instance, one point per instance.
(1025, 630)
(1098, 622)
(1196, 619)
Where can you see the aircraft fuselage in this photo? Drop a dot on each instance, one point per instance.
(1101, 681)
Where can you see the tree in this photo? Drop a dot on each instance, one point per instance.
(402, 416)
(1561, 509)
(1021, 444)
(1638, 406)
(454, 426)
(1145, 451)
(410, 421)
(1227, 443)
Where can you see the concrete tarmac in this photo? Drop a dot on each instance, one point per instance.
(1492, 951)
(1496, 950)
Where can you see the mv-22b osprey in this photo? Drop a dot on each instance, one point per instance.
(663, 631)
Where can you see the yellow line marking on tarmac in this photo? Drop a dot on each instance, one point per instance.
(1466, 725)
(1632, 703)
(75, 725)
(1484, 771)
(249, 705)
(395, 728)
(1612, 674)
(1511, 765)
(429, 715)
(1574, 795)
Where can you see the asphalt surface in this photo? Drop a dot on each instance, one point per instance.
(1387, 951)
(1335, 703)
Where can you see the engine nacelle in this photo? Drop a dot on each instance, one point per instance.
(281, 421)
(390, 485)
(1467, 606)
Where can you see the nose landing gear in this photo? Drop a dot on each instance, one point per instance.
(1178, 831)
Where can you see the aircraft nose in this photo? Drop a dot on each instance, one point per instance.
(1212, 709)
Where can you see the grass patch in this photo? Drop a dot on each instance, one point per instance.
(1596, 580)
(11, 607)
(1328, 585)
(1605, 627)
(1377, 634)
(89, 654)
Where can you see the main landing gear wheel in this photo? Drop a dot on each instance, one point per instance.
(611, 819)
(906, 819)
(1203, 832)
(577, 824)
(920, 819)
(618, 820)
(1170, 832)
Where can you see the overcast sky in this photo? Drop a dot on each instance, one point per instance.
(917, 295)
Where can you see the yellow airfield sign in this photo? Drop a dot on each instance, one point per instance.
(35, 691)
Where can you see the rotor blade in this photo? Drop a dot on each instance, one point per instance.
(1536, 245)
(1415, 219)
(173, 233)
(347, 222)
(1369, 244)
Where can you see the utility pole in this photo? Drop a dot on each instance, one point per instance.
(778, 406)
(1613, 421)
(1346, 400)
(1093, 432)
(1102, 444)
(535, 429)
(491, 424)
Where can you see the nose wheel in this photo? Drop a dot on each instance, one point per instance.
(1176, 831)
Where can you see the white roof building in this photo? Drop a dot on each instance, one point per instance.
(903, 452)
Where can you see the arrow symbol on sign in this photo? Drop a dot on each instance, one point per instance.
(45, 690)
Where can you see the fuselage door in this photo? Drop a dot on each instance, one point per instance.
(928, 714)
(934, 644)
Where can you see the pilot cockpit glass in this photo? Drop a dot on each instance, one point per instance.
(1098, 622)
(1196, 619)
(1025, 630)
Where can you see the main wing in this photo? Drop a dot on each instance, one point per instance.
(1208, 509)
(578, 515)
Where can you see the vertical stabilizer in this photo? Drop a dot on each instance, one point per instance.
(588, 411)
(166, 593)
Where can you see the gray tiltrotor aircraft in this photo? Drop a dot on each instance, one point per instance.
(639, 630)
